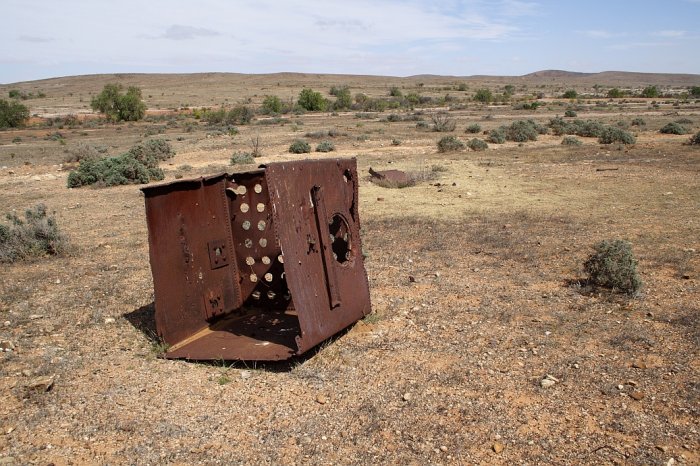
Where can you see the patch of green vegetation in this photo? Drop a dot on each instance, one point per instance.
(34, 236)
(613, 266)
(299, 146)
(449, 144)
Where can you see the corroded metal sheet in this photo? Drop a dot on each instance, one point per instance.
(259, 265)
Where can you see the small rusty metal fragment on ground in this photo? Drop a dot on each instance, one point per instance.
(259, 265)
(393, 176)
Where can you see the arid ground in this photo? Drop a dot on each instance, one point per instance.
(476, 278)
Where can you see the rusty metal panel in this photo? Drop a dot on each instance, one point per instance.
(257, 265)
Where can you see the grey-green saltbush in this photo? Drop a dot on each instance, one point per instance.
(477, 144)
(571, 141)
(612, 135)
(299, 147)
(449, 144)
(325, 146)
(612, 265)
(474, 128)
(35, 235)
(674, 128)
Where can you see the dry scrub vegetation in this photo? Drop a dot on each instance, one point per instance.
(487, 343)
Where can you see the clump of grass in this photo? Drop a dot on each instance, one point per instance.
(638, 122)
(241, 158)
(449, 144)
(477, 144)
(570, 113)
(612, 135)
(674, 128)
(571, 141)
(613, 266)
(474, 128)
(34, 236)
(695, 140)
(299, 147)
(325, 146)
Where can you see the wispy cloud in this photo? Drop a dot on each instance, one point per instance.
(669, 33)
(636, 45)
(35, 39)
(601, 34)
(180, 32)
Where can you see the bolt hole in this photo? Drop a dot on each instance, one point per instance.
(263, 242)
(244, 207)
(258, 188)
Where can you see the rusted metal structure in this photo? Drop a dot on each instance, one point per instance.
(258, 265)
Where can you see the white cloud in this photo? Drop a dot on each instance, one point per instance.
(669, 33)
(180, 32)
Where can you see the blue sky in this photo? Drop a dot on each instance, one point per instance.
(42, 39)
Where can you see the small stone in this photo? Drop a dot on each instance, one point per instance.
(637, 395)
(661, 448)
(35, 316)
(497, 447)
(26, 373)
(407, 397)
(245, 374)
(620, 387)
(546, 383)
(671, 462)
(110, 320)
(321, 399)
(58, 281)
(639, 364)
(7, 323)
(41, 384)
(443, 448)
(7, 345)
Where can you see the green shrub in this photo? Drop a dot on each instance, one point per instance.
(395, 92)
(35, 235)
(694, 140)
(312, 101)
(523, 131)
(449, 144)
(477, 144)
(570, 94)
(611, 134)
(615, 93)
(497, 136)
(271, 104)
(113, 171)
(393, 118)
(483, 95)
(117, 106)
(81, 152)
(241, 158)
(613, 266)
(474, 128)
(14, 94)
(325, 146)
(299, 147)
(158, 149)
(571, 141)
(650, 92)
(12, 114)
(674, 128)
(587, 128)
(570, 113)
(239, 115)
(638, 122)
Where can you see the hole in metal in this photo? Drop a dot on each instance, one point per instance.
(261, 225)
(265, 260)
(244, 207)
(260, 207)
(340, 234)
(246, 225)
(271, 294)
(248, 243)
(253, 278)
(263, 242)
(249, 260)
(255, 294)
(268, 277)
(280, 258)
(241, 190)
(257, 188)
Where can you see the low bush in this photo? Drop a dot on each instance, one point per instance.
(586, 129)
(522, 131)
(674, 128)
(159, 149)
(83, 151)
(477, 144)
(570, 113)
(570, 94)
(684, 121)
(325, 146)
(241, 158)
(611, 134)
(12, 114)
(613, 266)
(442, 123)
(35, 235)
(638, 122)
(449, 144)
(695, 140)
(299, 147)
(497, 136)
(571, 141)
(474, 128)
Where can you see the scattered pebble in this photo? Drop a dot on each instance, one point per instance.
(321, 399)
(548, 381)
(7, 346)
(497, 447)
(41, 384)
(110, 320)
(637, 395)
(639, 364)
(407, 397)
